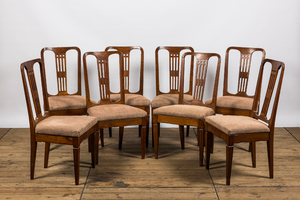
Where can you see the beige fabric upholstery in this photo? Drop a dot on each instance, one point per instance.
(115, 111)
(132, 99)
(232, 124)
(186, 111)
(72, 126)
(233, 102)
(66, 102)
(168, 99)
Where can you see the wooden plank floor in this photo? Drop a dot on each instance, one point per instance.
(122, 174)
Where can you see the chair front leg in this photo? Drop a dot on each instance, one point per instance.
(47, 150)
(229, 155)
(155, 138)
(32, 158)
(181, 132)
(253, 153)
(270, 146)
(208, 143)
(143, 140)
(121, 131)
(200, 143)
(76, 156)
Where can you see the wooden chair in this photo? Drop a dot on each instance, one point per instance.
(64, 103)
(70, 130)
(239, 103)
(190, 113)
(135, 99)
(253, 128)
(108, 113)
(171, 97)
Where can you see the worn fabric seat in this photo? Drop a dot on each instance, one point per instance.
(235, 102)
(185, 111)
(66, 102)
(168, 99)
(115, 112)
(232, 124)
(132, 99)
(72, 126)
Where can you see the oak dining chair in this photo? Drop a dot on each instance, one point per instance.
(259, 126)
(108, 113)
(44, 127)
(133, 98)
(172, 66)
(191, 113)
(64, 102)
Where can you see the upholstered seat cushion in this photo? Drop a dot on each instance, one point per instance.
(232, 124)
(186, 111)
(236, 102)
(72, 126)
(66, 102)
(132, 99)
(115, 112)
(168, 99)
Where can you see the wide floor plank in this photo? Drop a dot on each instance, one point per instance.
(122, 174)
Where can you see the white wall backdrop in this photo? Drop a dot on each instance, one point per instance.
(26, 26)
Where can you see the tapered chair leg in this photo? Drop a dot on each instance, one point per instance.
(140, 130)
(102, 137)
(253, 153)
(187, 131)
(200, 142)
(76, 155)
(110, 131)
(208, 143)
(92, 147)
(270, 146)
(229, 154)
(181, 131)
(47, 150)
(32, 158)
(96, 146)
(143, 141)
(121, 131)
(155, 139)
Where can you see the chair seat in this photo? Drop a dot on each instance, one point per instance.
(66, 102)
(115, 112)
(132, 99)
(232, 124)
(72, 126)
(168, 99)
(236, 102)
(186, 111)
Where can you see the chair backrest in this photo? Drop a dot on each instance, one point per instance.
(102, 63)
(244, 69)
(174, 68)
(273, 82)
(31, 91)
(60, 54)
(199, 72)
(125, 50)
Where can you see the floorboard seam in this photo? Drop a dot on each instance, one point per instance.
(5, 133)
(85, 183)
(291, 134)
(213, 185)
